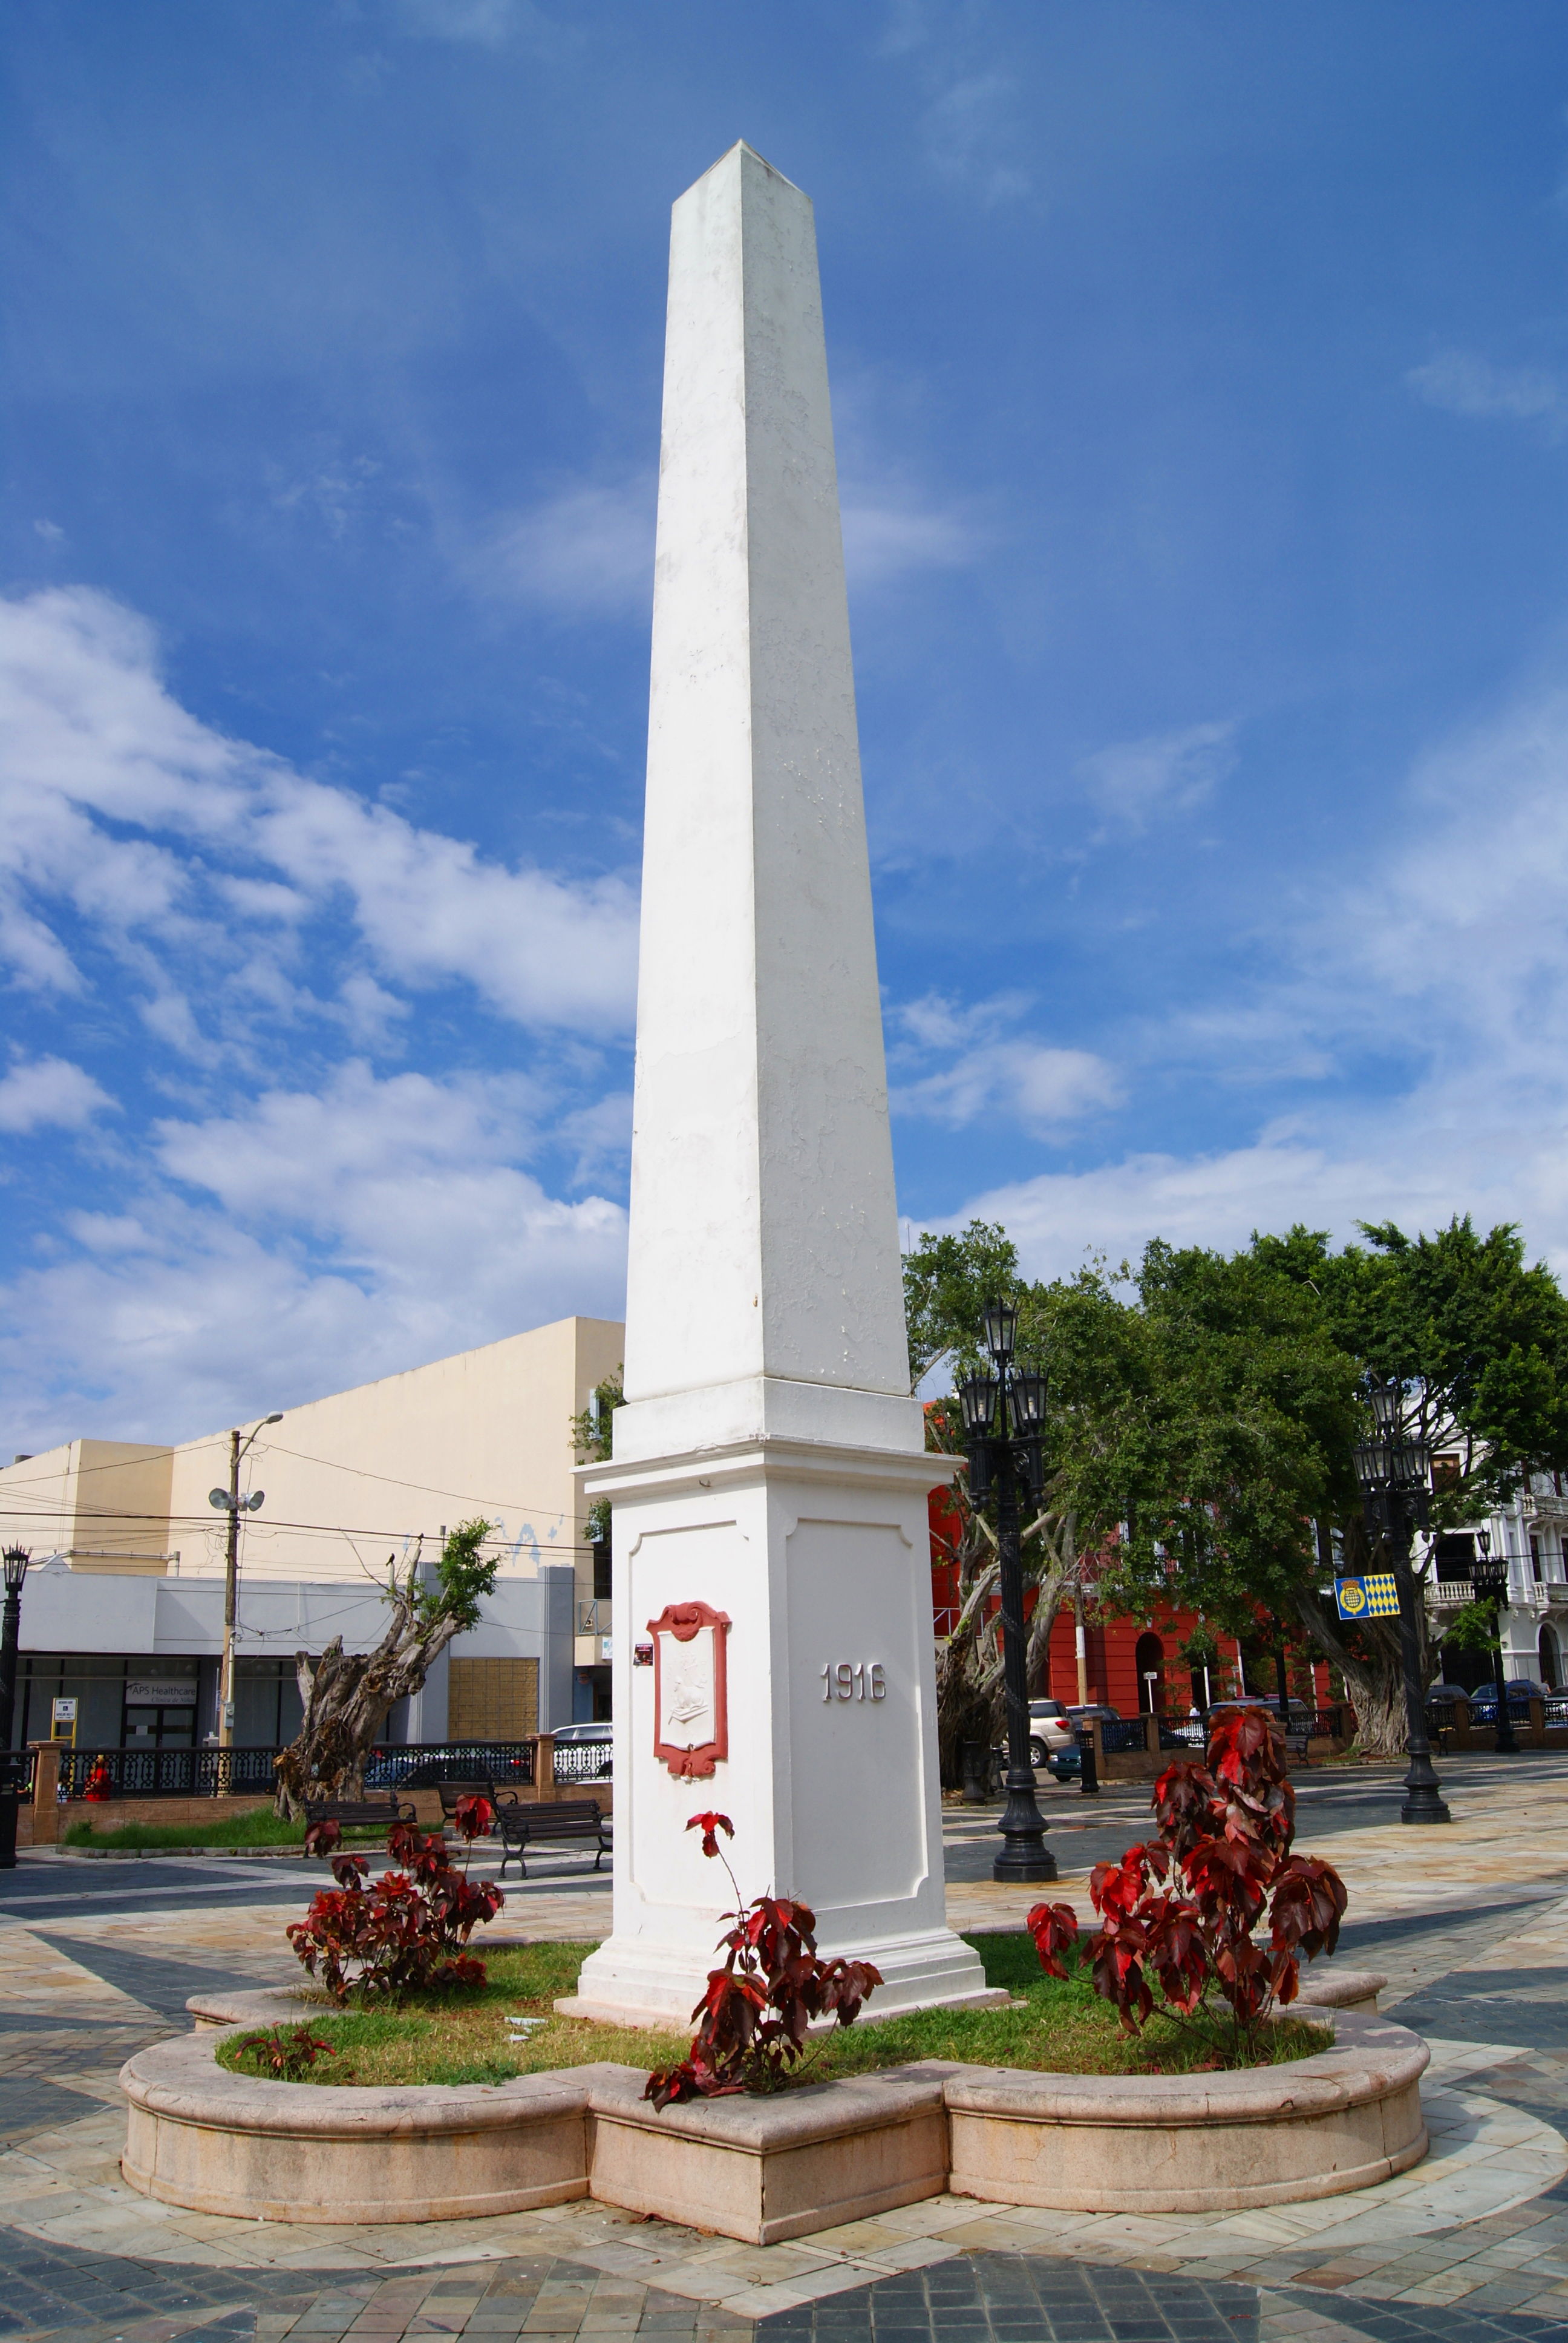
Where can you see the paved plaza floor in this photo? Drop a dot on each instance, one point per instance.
(1470, 1924)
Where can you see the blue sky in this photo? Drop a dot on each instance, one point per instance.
(1201, 379)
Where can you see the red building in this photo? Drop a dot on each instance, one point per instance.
(1129, 1663)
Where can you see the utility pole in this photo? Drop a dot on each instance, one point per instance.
(1081, 1643)
(229, 1501)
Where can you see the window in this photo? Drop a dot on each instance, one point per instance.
(1535, 1559)
(1445, 1471)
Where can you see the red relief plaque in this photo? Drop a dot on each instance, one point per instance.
(690, 1700)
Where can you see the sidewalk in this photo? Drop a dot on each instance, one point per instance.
(1471, 1924)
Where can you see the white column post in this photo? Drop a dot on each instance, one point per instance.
(770, 1463)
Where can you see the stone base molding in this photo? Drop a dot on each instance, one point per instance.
(769, 2170)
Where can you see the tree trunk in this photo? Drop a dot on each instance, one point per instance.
(1375, 1677)
(348, 1696)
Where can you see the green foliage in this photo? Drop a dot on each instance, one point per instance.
(465, 1574)
(948, 1281)
(591, 1438)
(1474, 1629)
(1480, 1335)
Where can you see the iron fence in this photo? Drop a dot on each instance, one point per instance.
(1120, 1734)
(419, 1766)
(170, 1773)
(211, 1772)
(1183, 1733)
(17, 1773)
(583, 1761)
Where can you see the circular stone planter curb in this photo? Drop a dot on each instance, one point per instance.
(767, 2168)
(1342, 2119)
(220, 2143)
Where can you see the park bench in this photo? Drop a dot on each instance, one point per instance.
(360, 1814)
(540, 1824)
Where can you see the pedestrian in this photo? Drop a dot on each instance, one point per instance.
(100, 1784)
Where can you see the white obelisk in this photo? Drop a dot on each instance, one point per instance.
(769, 1475)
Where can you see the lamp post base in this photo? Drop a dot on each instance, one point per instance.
(9, 1804)
(1024, 1854)
(1423, 1801)
(1507, 1746)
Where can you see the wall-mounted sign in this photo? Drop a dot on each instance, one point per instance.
(607, 1648)
(690, 1700)
(1371, 1597)
(161, 1692)
(642, 1655)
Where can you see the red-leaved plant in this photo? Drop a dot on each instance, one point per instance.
(286, 2055)
(1182, 1909)
(752, 2021)
(407, 1932)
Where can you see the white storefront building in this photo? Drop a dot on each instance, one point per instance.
(1532, 1532)
(123, 1606)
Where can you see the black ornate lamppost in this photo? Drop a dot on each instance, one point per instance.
(13, 1762)
(1489, 1583)
(1395, 1474)
(1004, 1417)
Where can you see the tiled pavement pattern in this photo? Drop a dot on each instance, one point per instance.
(1474, 1962)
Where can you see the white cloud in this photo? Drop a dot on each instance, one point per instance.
(1133, 781)
(968, 129)
(51, 1091)
(314, 1241)
(89, 736)
(889, 536)
(588, 550)
(1461, 383)
(1043, 1089)
(1451, 963)
(484, 24)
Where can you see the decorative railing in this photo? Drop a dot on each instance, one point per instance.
(1117, 1734)
(17, 1773)
(170, 1773)
(1183, 1733)
(211, 1772)
(419, 1766)
(583, 1761)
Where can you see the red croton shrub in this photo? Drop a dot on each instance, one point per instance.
(1180, 1911)
(752, 2022)
(406, 1933)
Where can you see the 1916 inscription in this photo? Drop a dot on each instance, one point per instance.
(854, 1680)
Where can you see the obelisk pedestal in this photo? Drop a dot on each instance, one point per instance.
(773, 1645)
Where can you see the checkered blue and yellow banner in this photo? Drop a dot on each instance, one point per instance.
(1373, 1597)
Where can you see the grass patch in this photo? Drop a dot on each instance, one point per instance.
(259, 1827)
(1058, 2027)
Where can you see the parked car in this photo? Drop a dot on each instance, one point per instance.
(597, 1762)
(1065, 1763)
(1051, 1731)
(1522, 1691)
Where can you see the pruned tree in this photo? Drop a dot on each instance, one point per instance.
(348, 1696)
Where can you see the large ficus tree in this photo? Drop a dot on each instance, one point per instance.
(1091, 1340)
(1202, 1416)
(1479, 1336)
(348, 1696)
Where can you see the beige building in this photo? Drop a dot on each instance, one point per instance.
(123, 1601)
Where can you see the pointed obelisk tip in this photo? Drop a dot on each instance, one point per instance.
(743, 147)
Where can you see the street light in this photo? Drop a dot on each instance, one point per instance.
(1004, 1416)
(229, 1501)
(1395, 1475)
(17, 1558)
(1489, 1583)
